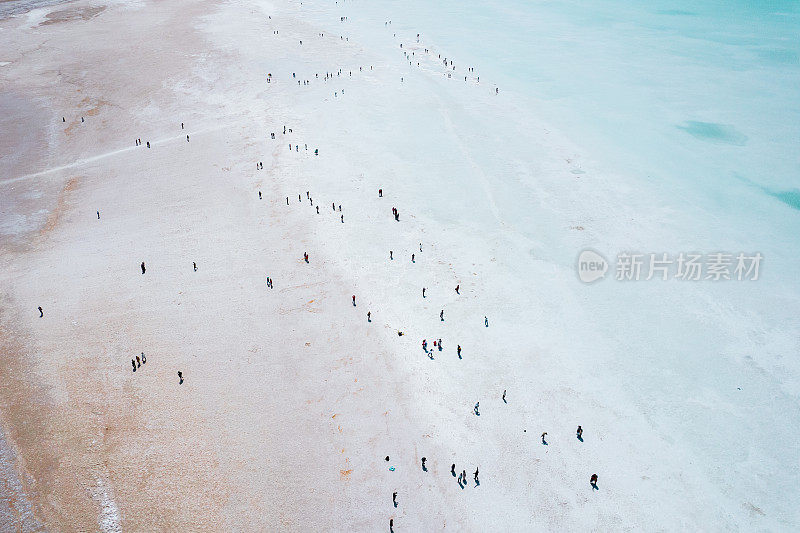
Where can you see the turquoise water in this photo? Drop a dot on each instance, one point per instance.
(642, 82)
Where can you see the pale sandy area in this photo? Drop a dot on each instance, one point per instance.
(279, 424)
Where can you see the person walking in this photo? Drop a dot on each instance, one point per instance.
(459, 351)
(580, 433)
(504, 396)
(143, 269)
(41, 313)
(457, 287)
(441, 315)
(593, 481)
(354, 300)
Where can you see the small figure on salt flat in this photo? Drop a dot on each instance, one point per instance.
(143, 269)
(593, 481)
(580, 433)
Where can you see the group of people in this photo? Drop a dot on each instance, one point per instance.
(136, 362)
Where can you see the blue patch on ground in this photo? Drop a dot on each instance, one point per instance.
(711, 131)
(790, 198)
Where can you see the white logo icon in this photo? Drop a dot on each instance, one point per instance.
(591, 266)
